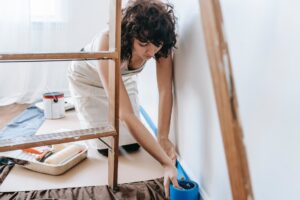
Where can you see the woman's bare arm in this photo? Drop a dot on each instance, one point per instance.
(164, 74)
(135, 126)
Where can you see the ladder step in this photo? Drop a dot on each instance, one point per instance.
(46, 57)
(56, 138)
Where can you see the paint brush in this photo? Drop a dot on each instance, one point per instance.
(44, 155)
(33, 151)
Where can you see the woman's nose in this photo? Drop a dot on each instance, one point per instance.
(152, 50)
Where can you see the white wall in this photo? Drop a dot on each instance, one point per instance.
(264, 42)
(196, 126)
(195, 129)
(263, 39)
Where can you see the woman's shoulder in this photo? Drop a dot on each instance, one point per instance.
(99, 40)
(102, 35)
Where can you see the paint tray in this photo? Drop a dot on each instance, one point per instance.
(29, 161)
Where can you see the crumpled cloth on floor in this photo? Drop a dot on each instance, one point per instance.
(144, 190)
(6, 164)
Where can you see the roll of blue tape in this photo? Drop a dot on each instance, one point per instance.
(189, 191)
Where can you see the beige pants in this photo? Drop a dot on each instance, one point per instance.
(91, 101)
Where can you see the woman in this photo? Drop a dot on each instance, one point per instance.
(148, 31)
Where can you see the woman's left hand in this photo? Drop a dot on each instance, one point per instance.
(169, 148)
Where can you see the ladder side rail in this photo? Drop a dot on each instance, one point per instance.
(114, 74)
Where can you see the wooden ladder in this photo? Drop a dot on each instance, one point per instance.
(109, 130)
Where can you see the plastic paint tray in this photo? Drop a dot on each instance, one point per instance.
(29, 161)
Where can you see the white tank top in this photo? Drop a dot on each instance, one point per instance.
(93, 46)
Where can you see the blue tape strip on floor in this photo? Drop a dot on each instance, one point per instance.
(180, 171)
(25, 124)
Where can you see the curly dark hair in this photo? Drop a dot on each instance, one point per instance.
(148, 21)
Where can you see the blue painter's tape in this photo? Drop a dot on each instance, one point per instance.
(148, 120)
(180, 171)
(189, 190)
(181, 174)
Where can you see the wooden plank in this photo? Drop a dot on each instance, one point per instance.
(55, 138)
(29, 57)
(226, 99)
(114, 74)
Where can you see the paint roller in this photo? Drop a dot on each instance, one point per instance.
(64, 154)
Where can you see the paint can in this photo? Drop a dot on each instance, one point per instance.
(54, 105)
(189, 190)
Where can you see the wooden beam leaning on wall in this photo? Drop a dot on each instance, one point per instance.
(226, 99)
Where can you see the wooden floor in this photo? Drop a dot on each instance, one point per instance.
(7, 113)
(133, 167)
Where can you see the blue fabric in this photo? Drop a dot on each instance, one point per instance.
(25, 124)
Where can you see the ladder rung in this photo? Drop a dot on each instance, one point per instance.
(56, 138)
(43, 57)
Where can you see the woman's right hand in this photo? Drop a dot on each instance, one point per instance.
(169, 148)
(170, 175)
